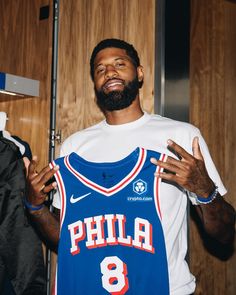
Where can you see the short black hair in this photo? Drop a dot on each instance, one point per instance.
(116, 43)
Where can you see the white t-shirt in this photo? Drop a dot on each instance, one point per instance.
(108, 143)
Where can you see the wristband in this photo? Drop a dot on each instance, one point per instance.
(209, 199)
(31, 207)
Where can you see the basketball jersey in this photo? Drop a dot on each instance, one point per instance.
(111, 238)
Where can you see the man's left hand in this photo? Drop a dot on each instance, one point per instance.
(189, 171)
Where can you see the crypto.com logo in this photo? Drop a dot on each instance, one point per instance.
(139, 186)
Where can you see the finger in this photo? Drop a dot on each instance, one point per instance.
(45, 175)
(171, 164)
(154, 161)
(46, 172)
(178, 163)
(49, 187)
(179, 150)
(42, 193)
(196, 149)
(167, 176)
(32, 166)
(26, 163)
(170, 168)
(34, 176)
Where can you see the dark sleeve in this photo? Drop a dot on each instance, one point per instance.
(20, 247)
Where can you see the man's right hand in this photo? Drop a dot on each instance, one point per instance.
(37, 187)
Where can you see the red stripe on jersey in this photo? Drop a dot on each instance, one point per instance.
(157, 182)
(126, 180)
(62, 192)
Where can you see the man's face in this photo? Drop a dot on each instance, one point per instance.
(116, 79)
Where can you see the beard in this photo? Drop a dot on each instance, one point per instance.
(118, 100)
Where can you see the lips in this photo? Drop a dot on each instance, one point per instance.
(113, 83)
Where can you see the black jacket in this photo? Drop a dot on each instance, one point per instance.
(21, 257)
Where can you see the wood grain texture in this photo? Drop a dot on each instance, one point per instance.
(83, 23)
(230, 120)
(213, 86)
(26, 51)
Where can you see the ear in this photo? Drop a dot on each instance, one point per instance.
(140, 73)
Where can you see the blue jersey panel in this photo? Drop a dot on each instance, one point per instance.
(111, 239)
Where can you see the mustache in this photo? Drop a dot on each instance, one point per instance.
(110, 80)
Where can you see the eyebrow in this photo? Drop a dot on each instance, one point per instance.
(116, 59)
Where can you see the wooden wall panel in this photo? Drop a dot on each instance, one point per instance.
(230, 118)
(25, 50)
(83, 23)
(213, 88)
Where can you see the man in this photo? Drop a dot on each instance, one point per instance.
(187, 172)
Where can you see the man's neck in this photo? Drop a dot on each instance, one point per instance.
(127, 115)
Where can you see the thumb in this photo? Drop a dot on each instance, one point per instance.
(196, 149)
(32, 166)
(27, 163)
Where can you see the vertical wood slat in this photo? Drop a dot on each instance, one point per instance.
(83, 24)
(229, 127)
(26, 51)
(213, 87)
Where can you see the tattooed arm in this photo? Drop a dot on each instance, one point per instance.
(37, 190)
(189, 171)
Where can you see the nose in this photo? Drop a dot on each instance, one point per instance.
(110, 72)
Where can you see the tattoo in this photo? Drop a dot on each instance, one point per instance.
(47, 223)
(218, 218)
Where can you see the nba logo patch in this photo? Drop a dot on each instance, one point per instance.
(139, 186)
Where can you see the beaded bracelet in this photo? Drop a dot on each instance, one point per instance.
(31, 207)
(209, 199)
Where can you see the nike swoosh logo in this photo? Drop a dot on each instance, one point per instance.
(74, 200)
